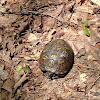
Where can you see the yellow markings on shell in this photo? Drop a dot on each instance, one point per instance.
(67, 55)
(54, 47)
(64, 52)
(53, 56)
(51, 63)
(67, 48)
(44, 57)
(61, 72)
(44, 50)
(42, 60)
(59, 48)
(61, 62)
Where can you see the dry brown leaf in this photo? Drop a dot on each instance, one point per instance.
(31, 37)
(19, 49)
(23, 78)
(78, 16)
(5, 95)
(0, 38)
(77, 1)
(48, 22)
(96, 2)
(37, 22)
(91, 80)
(14, 1)
(57, 11)
(77, 45)
(5, 55)
(49, 36)
(10, 44)
(30, 57)
(84, 9)
(16, 76)
(8, 85)
(3, 74)
(6, 20)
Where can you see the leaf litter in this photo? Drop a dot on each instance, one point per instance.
(23, 36)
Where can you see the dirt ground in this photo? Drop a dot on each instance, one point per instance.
(26, 26)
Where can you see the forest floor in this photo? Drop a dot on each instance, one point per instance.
(26, 26)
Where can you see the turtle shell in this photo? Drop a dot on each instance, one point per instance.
(56, 59)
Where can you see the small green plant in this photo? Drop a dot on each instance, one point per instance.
(85, 23)
(86, 28)
(27, 67)
(20, 68)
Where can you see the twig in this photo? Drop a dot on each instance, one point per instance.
(33, 12)
(90, 87)
(24, 77)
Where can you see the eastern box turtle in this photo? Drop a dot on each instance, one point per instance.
(56, 59)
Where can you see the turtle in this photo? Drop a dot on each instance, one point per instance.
(56, 59)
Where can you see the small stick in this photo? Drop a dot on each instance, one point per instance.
(33, 12)
(91, 86)
(24, 77)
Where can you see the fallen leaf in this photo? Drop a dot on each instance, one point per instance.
(7, 85)
(77, 1)
(0, 38)
(31, 37)
(96, 2)
(49, 36)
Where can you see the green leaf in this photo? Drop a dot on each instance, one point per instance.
(19, 67)
(23, 61)
(85, 23)
(86, 31)
(19, 72)
(27, 67)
